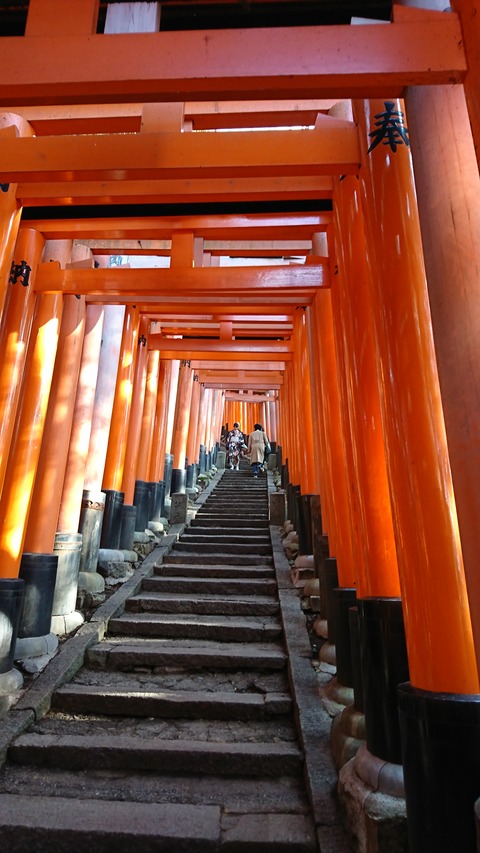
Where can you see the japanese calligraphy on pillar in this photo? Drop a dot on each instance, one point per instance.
(390, 129)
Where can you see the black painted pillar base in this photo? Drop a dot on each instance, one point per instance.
(384, 666)
(179, 481)
(90, 526)
(341, 600)
(141, 500)
(441, 764)
(112, 519)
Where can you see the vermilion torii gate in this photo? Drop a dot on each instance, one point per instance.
(372, 342)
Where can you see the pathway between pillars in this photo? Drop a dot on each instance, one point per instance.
(177, 733)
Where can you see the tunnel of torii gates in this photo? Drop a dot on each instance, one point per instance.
(352, 333)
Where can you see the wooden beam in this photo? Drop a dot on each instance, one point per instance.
(135, 283)
(220, 346)
(371, 61)
(175, 190)
(331, 148)
(196, 355)
(230, 248)
(251, 398)
(203, 115)
(244, 366)
(294, 226)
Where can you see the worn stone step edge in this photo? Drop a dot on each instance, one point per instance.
(170, 704)
(216, 559)
(146, 624)
(198, 530)
(234, 656)
(117, 752)
(205, 537)
(236, 586)
(69, 825)
(235, 549)
(203, 519)
(59, 822)
(201, 604)
(208, 571)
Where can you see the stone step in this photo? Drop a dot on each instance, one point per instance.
(202, 535)
(243, 532)
(119, 752)
(179, 568)
(70, 825)
(170, 704)
(238, 629)
(234, 605)
(183, 655)
(217, 559)
(216, 586)
(250, 499)
(204, 519)
(235, 795)
(184, 546)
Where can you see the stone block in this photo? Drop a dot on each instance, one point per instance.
(178, 509)
(272, 462)
(221, 459)
(277, 508)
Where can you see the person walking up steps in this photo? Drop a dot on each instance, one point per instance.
(235, 445)
(257, 445)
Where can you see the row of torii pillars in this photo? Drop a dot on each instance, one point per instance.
(378, 416)
(363, 421)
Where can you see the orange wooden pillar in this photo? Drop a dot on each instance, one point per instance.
(10, 210)
(305, 400)
(340, 534)
(148, 416)
(172, 398)
(469, 12)
(182, 415)
(136, 414)
(26, 441)
(202, 416)
(73, 483)
(118, 435)
(114, 463)
(448, 202)
(157, 460)
(208, 422)
(451, 246)
(109, 324)
(15, 333)
(441, 652)
(379, 576)
(322, 449)
(192, 443)
(425, 523)
(42, 521)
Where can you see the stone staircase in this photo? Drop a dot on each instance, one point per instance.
(178, 733)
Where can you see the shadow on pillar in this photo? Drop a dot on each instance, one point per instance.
(304, 524)
(348, 728)
(167, 479)
(65, 617)
(441, 765)
(12, 591)
(39, 573)
(141, 500)
(90, 526)
(112, 519)
(11, 602)
(179, 481)
(127, 532)
(384, 666)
